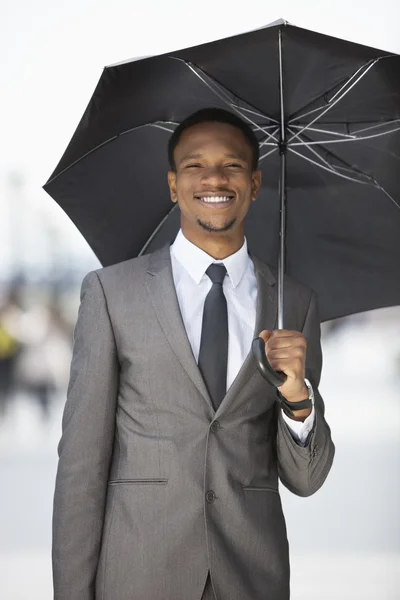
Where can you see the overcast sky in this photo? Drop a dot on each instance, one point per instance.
(53, 52)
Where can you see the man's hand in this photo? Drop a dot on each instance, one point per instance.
(286, 351)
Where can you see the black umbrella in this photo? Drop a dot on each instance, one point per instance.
(327, 115)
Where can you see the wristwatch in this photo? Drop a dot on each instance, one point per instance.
(289, 407)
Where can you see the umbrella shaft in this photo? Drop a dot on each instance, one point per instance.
(282, 234)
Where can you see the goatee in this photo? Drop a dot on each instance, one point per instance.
(210, 228)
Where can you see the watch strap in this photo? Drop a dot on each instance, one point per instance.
(289, 407)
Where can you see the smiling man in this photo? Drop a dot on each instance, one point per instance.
(173, 443)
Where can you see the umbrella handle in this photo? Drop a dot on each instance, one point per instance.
(275, 378)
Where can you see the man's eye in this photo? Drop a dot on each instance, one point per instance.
(193, 165)
(237, 165)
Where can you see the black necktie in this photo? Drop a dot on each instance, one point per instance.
(213, 355)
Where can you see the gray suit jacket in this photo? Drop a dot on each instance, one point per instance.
(142, 448)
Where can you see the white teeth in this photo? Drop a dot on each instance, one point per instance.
(215, 199)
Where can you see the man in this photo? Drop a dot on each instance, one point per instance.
(172, 442)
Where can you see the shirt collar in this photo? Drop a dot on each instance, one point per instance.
(195, 261)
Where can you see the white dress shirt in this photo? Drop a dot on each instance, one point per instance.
(189, 265)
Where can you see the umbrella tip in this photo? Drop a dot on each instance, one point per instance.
(278, 22)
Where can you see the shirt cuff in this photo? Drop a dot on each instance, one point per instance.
(300, 430)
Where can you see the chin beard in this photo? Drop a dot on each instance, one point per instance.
(210, 228)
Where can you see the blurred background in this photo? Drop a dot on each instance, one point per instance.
(345, 540)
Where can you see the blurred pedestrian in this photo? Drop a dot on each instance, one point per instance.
(10, 311)
(43, 364)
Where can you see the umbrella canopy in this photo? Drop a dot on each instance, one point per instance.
(330, 106)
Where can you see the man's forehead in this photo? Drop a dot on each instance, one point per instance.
(209, 133)
(212, 128)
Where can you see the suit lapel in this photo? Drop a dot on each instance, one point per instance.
(161, 289)
(266, 318)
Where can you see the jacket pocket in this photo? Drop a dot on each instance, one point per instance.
(250, 488)
(143, 481)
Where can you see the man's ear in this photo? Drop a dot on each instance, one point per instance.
(255, 183)
(172, 186)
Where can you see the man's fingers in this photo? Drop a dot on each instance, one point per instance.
(292, 367)
(287, 342)
(281, 338)
(284, 333)
(277, 353)
(265, 335)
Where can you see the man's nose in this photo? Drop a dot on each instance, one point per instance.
(214, 174)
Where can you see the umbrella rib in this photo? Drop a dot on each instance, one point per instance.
(353, 139)
(255, 125)
(347, 135)
(337, 98)
(310, 112)
(330, 169)
(267, 154)
(331, 103)
(314, 151)
(260, 114)
(380, 187)
(317, 130)
(370, 180)
(333, 169)
(364, 66)
(265, 143)
(224, 96)
(111, 139)
(159, 125)
(382, 124)
(157, 229)
(224, 91)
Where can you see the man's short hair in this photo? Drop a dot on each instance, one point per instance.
(213, 115)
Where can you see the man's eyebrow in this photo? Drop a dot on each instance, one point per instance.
(190, 157)
(227, 155)
(239, 156)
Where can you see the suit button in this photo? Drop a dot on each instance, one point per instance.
(210, 496)
(215, 426)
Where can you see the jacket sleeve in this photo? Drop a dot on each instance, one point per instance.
(85, 448)
(303, 470)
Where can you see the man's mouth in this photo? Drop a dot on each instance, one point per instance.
(215, 200)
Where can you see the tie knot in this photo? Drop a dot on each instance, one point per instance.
(216, 273)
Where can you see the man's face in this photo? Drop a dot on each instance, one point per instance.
(214, 183)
